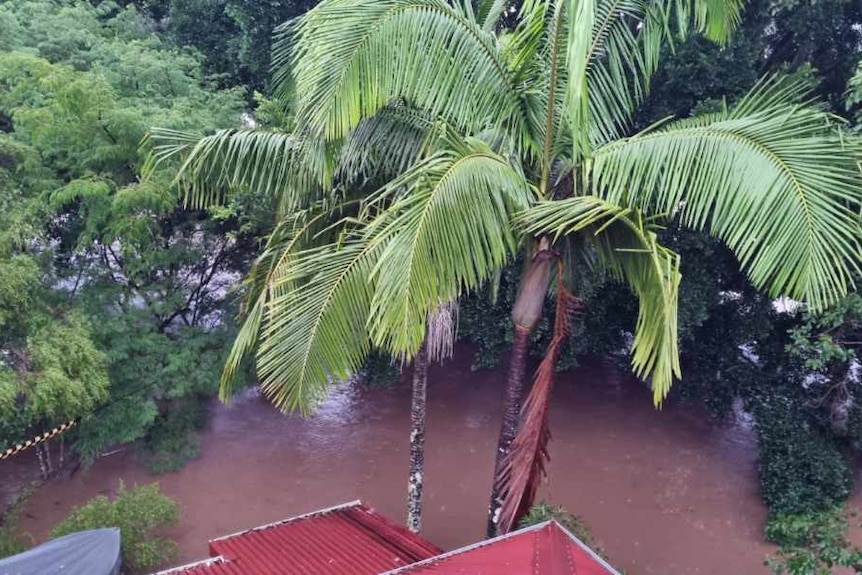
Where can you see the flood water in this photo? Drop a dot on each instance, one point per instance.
(665, 492)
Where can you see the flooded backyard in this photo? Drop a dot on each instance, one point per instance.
(663, 491)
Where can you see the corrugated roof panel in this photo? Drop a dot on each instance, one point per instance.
(348, 540)
(545, 549)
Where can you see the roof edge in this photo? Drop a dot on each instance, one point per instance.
(203, 563)
(354, 503)
(599, 559)
(486, 542)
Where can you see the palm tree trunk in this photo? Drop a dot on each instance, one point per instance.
(511, 415)
(417, 441)
(526, 314)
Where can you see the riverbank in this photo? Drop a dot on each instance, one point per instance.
(663, 491)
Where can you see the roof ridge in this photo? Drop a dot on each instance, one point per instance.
(324, 511)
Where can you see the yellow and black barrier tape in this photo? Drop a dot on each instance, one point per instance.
(15, 450)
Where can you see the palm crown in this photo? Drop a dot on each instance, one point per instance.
(486, 137)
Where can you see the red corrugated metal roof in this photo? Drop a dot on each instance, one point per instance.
(351, 539)
(545, 549)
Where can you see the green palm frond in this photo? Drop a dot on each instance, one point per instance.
(315, 329)
(386, 144)
(580, 41)
(489, 13)
(774, 179)
(212, 166)
(262, 285)
(716, 19)
(616, 58)
(350, 58)
(538, 56)
(628, 248)
(446, 229)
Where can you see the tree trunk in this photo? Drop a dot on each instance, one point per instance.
(526, 314)
(48, 463)
(417, 441)
(42, 468)
(511, 416)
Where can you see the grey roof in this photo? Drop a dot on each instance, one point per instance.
(95, 552)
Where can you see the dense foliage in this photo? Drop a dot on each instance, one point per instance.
(102, 265)
(13, 539)
(142, 513)
(813, 543)
(544, 511)
(115, 297)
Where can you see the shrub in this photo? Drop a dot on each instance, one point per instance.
(544, 511)
(801, 470)
(12, 539)
(140, 513)
(173, 439)
(170, 451)
(812, 543)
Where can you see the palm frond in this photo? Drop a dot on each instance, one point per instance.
(213, 166)
(581, 26)
(776, 180)
(350, 58)
(538, 56)
(716, 19)
(262, 286)
(315, 329)
(446, 229)
(628, 248)
(385, 145)
(625, 45)
(489, 13)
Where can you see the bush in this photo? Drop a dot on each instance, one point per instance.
(170, 451)
(12, 539)
(140, 513)
(173, 439)
(812, 543)
(801, 470)
(544, 511)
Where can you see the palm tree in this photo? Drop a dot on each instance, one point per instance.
(469, 125)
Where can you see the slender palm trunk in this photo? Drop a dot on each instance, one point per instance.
(417, 441)
(511, 415)
(526, 313)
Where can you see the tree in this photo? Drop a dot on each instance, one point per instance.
(141, 514)
(468, 126)
(146, 277)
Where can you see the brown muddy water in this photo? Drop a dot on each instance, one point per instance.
(665, 492)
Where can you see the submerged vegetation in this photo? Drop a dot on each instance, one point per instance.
(637, 180)
(141, 513)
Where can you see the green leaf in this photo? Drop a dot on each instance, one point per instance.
(628, 248)
(350, 58)
(774, 179)
(446, 231)
(315, 330)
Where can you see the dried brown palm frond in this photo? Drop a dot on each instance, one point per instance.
(524, 466)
